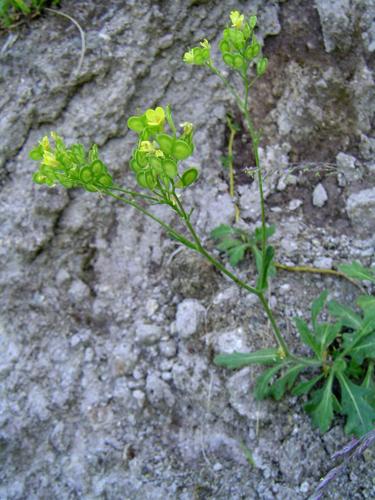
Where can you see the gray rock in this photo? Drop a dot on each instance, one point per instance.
(158, 392)
(189, 318)
(346, 167)
(320, 196)
(337, 23)
(361, 210)
(148, 334)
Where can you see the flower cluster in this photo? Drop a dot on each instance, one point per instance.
(198, 55)
(70, 167)
(239, 44)
(155, 159)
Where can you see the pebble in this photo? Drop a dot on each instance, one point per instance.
(320, 196)
(189, 317)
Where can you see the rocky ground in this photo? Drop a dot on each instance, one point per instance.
(108, 328)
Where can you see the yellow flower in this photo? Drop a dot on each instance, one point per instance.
(187, 126)
(45, 143)
(146, 147)
(49, 159)
(155, 117)
(189, 57)
(205, 44)
(237, 19)
(159, 153)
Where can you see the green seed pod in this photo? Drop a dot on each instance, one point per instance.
(189, 176)
(228, 59)
(166, 143)
(182, 150)
(141, 158)
(134, 165)
(170, 168)
(86, 175)
(39, 178)
(252, 51)
(105, 181)
(97, 168)
(246, 31)
(155, 163)
(91, 188)
(226, 34)
(237, 61)
(146, 180)
(237, 38)
(252, 22)
(224, 46)
(137, 123)
(36, 153)
(262, 66)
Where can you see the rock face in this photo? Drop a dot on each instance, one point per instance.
(107, 328)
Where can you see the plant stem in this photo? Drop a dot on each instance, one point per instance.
(275, 328)
(167, 227)
(231, 170)
(317, 270)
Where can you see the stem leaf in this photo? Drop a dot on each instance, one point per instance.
(239, 359)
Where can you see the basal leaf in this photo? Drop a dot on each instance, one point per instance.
(236, 254)
(367, 304)
(364, 349)
(369, 384)
(228, 243)
(221, 231)
(307, 336)
(326, 334)
(355, 270)
(360, 414)
(262, 387)
(347, 316)
(306, 386)
(320, 407)
(317, 307)
(239, 359)
(286, 381)
(266, 263)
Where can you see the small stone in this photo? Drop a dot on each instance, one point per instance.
(79, 291)
(158, 392)
(168, 348)
(319, 196)
(189, 317)
(148, 334)
(361, 210)
(323, 262)
(346, 167)
(294, 204)
(140, 397)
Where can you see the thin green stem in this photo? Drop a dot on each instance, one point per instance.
(135, 194)
(275, 328)
(230, 166)
(143, 210)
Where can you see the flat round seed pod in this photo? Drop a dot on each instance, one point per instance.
(182, 150)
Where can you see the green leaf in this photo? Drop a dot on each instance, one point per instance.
(347, 316)
(266, 263)
(369, 384)
(307, 336)
(221, 231)
(262, 386)
(317, 307)
(360, 415)
(355, 270)
(326, 334)
(320, 407)
(306, 386)
(237, 253)
(270, 231)
(367, 304)
(286, 381)
(239, 359)
(364, 349)
(228, 243)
